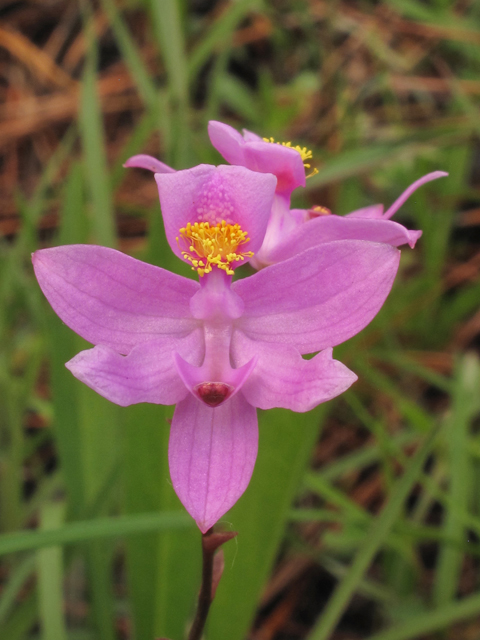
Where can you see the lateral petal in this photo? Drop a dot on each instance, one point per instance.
(371, 211)
(227, 141)
(143, 161)
(212, 453)
(319, 298)
(146, 374)
(282, 378)
(284, 162)
(112, 299)
(256, 154)
(330, 228)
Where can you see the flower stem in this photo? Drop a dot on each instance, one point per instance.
(205, 597)
(211, 574)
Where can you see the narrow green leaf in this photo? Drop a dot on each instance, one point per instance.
(220, 33)
(22, 619)
(131, 55)
(16, 581)
(86, 530)
(93, 142)
(50, 577)
(373, 543)
(465, 405)
(437, 620)
(168, 30)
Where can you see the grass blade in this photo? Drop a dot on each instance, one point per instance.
(426, 623)
(85, 530)
(374, 541)
(465, 405)
(50, 578)
(93, 142)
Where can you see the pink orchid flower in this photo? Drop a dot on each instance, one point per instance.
(311, 227)
(217, 349)
(287, 234)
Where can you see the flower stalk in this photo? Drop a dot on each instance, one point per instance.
(211, 541)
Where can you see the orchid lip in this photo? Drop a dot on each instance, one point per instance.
(213, 393)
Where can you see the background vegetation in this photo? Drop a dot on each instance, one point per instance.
(363, 517)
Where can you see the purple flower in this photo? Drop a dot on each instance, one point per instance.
(287, 234)
(216, 349)
(311, 227)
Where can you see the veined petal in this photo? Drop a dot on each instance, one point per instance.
(282, 378)
(146, 374)
(212, 453)
(331, 227)
(284, 162)
(319, 298)
(281, 226)
(227, 141)
(253, 152)
(212, 194)
(248, 136)
(372, 211)
(142, 161)
(112, 299)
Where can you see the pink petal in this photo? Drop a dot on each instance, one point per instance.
(147, 374)
(212, 453)
(212, 194)
(253, 152)
(413, 187)
(227, 141)
(282, 378)
(284, 162)
(150, 163)
(330, 228)
(249, 136)
(281, 227)
(319, 298)
(112, 299)
(372, 211)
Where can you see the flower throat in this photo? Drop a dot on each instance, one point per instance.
(213, 245)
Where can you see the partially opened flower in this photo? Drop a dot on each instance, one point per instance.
(289, 164)
(287, 234)
(311, 227)
(216, 349)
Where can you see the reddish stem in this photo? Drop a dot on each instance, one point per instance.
(210, 543)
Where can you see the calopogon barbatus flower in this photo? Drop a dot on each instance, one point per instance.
(287, 233)
(289, 164)
(217, 349)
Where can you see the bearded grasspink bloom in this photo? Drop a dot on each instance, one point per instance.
(287, 234)
(291, 231)
(311, 227)
(217, 349)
